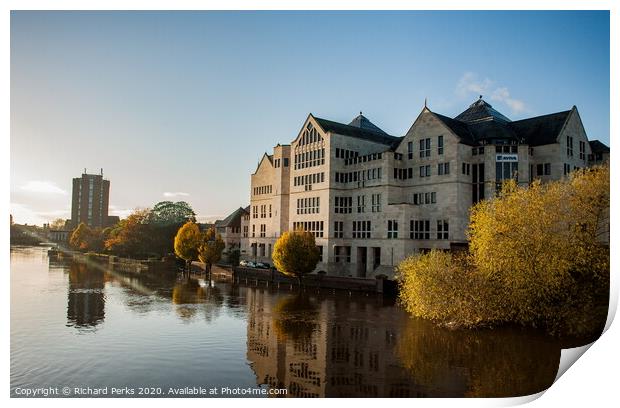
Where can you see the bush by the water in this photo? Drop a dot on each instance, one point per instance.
(538, 256)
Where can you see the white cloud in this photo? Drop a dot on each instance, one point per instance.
(503, 95)
(470, 84)
(24, 214)
(169, 194)
(45, 187)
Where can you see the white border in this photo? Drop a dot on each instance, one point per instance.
(591, 381)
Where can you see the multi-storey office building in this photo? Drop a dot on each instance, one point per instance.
(371, 199)
(90, 200)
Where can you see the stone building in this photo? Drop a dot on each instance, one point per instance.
(230, 229)
(371, 199)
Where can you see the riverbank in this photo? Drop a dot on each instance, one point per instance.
(272, 276)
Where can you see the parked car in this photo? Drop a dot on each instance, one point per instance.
(250, 264)
(262, 265)
(243, 263)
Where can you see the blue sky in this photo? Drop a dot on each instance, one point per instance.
(182, 105)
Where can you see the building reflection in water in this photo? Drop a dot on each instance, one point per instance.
(86, 297)
(358, 347)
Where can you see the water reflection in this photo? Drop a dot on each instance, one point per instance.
(181, 331)
(85, 297)
(193, 296)
(317, 347)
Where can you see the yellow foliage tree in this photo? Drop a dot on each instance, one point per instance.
(186, 243)
(295, 254)
(210, 249)
(84, 238)
(537, 256)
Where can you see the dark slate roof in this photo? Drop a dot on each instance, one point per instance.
(480, 111)
(598, 147)
(458, 128)
(540, 130)
(358, 132)
(362, 122)
(482, 123)
(233, 220)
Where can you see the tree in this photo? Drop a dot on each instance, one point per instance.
(166, 218)
(295, 253)
(538, 256)
(82, 238)
(57, 224)
(132, 236)
(186, 243)
(171, 213)
(210, 250)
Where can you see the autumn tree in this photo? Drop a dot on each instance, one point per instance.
(57, 224)
(83, 238)
(210, 249)
(538, 256)
(295, 253)
(547, 246)
(187, 242)
(131, 236)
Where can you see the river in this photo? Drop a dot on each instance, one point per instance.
(87, 328)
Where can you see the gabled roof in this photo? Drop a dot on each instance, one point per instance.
(233, 220)
(364, 131)
(480, 111)
(265, 155)
(598, 147)
(540, 130)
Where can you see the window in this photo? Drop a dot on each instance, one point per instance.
(376, 252)
(543, 169)
(342, 254)
(547, 169)
(320, 248)
(439, 144)
(425, 147)
(425, 171)
(308, 205)
(392, 229)
(566, 168)
(442, 229)
(466, 168)
(443, 168)
(343, 205)
(477, 179)
(253, 230)
(569, 146)
(286, 162)
(314, 227)
(376, 202)
(420, 229)
(361, 229)
(582, 150)
(410, 150)
(361, 204)
(338, 229)
(263, 230)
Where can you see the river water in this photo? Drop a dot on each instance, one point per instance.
(95, 330)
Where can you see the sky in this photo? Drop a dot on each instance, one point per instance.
(182, 105)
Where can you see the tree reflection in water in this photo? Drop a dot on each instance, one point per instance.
(190, 297)
(501, 362)
(295, 318)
